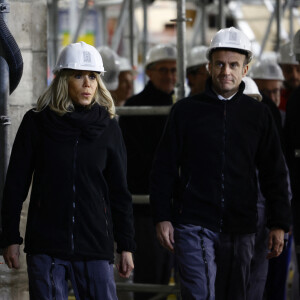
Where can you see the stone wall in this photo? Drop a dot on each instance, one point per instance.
(27, 22)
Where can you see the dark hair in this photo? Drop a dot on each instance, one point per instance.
(240, 51)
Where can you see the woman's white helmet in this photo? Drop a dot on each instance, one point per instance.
(197, 56)
(251, 88)
(79, 56)
(267, 69)
(231, 38)
(286, 55)
(161, 52)
(111, 61)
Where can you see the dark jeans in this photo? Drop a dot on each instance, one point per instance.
(212, 265)
(48, 279)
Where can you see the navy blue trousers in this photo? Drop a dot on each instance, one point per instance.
(48, 279)
(212, 265)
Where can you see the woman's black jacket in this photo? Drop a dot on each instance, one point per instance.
(79, 200)
(204, 172)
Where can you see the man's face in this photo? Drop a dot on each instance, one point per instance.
(163, 75)
(270, 88)
(227, 70)
(291, 74)
(197, 79)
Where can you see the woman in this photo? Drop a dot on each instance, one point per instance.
(72, 146)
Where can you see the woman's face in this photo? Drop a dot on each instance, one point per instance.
(82, 86)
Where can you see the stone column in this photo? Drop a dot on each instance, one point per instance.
(27, 22)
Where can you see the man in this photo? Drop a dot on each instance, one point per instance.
(291, 72)
(124, 89)
(142, 134)
(203, 186)
(292, 138)
(196, 71)
(269, 79)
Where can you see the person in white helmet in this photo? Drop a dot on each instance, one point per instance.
(269, 78)
(141, 134)
(292, 139)
(72, 146)
(125, 86)
(203, 185)
(196, 69)
(291, 72)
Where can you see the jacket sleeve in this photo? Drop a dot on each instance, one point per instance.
(165, 169)
(120, 198)
(273, 176)
(18, 179)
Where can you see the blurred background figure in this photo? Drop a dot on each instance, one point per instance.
(269, 78)
(196, 71)
(291, 72)
(112, 67)
(141, 134)
(126, 82)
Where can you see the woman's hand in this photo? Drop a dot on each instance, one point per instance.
(11, 256)
(125, 264)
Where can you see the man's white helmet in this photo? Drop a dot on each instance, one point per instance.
(79, 56)
(111, 62)
(251, 88)
(231, 38)
(286, 55)
(269, 70)
(161, 52)
(197, 56)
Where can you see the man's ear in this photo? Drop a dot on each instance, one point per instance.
(208, 67)
(245, 70)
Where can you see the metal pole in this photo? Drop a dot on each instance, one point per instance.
(4, 120)
(222, 18)
(123, 17)
(52, 33)
(278, 27)
(82, 16)
(145, 35)
(203, 22)
(181, 52)
(291, 19)
(132, 47)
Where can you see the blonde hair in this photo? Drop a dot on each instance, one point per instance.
(57, 97)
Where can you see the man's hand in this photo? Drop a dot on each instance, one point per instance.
(11, 256)
(275, 242)
(125, 264)
(165, 234)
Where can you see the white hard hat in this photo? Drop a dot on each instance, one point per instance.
(197, 56)
(231, 38)
(286, 55)
(297, 45)
(79, 56)
(125, 65)
(161, 52)
(111, 62)
(251, 88)
(266, 69)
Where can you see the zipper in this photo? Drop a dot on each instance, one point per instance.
(74, 195)
(223, 167)
(105, 215)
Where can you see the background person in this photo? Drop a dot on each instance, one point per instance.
(291, 71)
(196, 70)
(72, 146)
(126, 82)
(141, 134)
(203, 183)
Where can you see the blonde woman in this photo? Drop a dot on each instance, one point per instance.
(72, 146)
